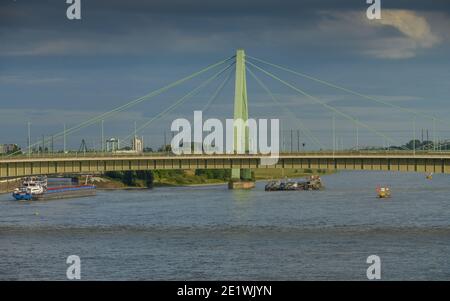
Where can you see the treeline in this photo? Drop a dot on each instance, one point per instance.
(133, 178)
(425, 145)
(176, 176)
(219, 174)
(420, 145)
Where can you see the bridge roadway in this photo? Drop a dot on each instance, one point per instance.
(94, 163)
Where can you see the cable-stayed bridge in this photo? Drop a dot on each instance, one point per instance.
(412, 158)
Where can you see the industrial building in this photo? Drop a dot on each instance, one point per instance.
(112, 144)
(8, 148)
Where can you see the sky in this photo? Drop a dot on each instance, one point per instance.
(56, 71)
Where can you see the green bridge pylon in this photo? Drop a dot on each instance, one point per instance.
(241, 112)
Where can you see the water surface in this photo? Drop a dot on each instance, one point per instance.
(212, 233)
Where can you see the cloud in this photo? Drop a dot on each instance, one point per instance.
(124, 49)
(416, 32)
(399, 34)
(173, 26)
(410, 24)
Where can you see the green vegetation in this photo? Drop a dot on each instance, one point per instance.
(218, 174)
(178, 177)
(175, 177)
(185, 177)
(132, 178)
(417, 145)
(425, 145)
(149, 179)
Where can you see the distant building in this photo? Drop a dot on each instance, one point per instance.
(137, 144)
(112, 145)
(8, 148)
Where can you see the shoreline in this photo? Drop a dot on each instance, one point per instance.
(197, 185)
(7, 186)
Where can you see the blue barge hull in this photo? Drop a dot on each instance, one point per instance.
(59, 193)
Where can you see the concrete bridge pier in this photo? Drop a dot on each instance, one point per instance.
(241, 184)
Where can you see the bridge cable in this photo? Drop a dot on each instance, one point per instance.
(156, 92)
(217, 92)
(303, 128)
(181, 100)
(131, 103)
(148, 96)
(368, 97)
(317, 100)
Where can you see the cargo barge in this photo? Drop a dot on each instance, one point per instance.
(36, 189)
(313, 183)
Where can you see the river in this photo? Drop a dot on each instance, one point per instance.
(212, 233)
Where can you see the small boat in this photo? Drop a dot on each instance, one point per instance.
(313, 183)
(429, 176)
(36, 188)
(383, 192)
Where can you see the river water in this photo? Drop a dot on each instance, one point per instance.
(212, 233)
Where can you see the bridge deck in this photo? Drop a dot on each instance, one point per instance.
(97, 163)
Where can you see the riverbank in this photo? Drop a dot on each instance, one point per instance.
(8, 185)
(156, 179)
(177, 178)
(189, 178)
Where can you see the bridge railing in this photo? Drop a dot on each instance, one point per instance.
(329, 153)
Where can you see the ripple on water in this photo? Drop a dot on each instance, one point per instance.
(204, 233)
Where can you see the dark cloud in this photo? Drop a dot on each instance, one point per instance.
(123, 49)
(134, 27)
(118, 13)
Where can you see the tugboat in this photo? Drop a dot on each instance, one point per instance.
(313, 183)
(383, 192)
(36, 188)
